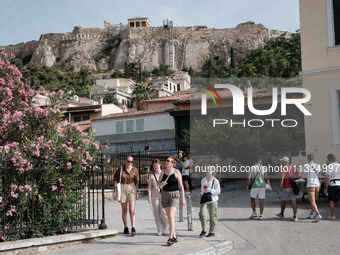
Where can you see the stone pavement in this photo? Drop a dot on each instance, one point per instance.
(146, 241)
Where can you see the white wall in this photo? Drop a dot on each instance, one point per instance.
(110, 109)
(151, 123)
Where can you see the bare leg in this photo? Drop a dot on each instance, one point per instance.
(170, 212)
(253, 205)
(124, 213)
(314, 208)
(261, 205)
(186, 186)
(294, 205)
(132, 213)
(283, 206)
(331, 207)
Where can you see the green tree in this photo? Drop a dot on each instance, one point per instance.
(213, 68)
(84, 74)
(280, 57)
(241, 143)
(162, 70)
(130, 70)
(76, 29)
(142, 92)
(110, 99)
(117, 74)
(191, 72)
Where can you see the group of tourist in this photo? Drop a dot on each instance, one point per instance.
(259, 183)
(165, 186)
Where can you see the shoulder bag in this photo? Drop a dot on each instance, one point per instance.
(296, 189)
(206, 197)
(119, 187)
(251, 184)
(160, 190)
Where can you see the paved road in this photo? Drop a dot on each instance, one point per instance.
(269, 236)
(273, 235)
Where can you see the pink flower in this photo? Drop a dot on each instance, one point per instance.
(28, 187)
(54, 188)
(14, 195)
(0, 199)
(69, 166)
(16, 116)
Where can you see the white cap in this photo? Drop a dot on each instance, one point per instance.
(286, 159)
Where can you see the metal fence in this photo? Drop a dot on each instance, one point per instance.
(142, 161)
(166, 145)
(38, 208)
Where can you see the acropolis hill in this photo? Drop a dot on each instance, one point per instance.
(114, 45)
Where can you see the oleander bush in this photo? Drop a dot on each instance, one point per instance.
(43, 161)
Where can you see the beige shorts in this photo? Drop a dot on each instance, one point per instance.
(129, 193)
(313, 193)
(170, 198)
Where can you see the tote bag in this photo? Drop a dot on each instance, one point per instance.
(119, 186)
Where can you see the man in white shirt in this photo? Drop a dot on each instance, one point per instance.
(311, 173)
(332, 183)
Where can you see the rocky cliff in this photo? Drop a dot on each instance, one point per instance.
(111, 47)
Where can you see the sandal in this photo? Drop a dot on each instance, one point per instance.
(170, 242)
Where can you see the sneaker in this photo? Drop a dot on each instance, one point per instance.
(260, 217)
(253, 215)
(280, 215)
(174, 240)
(318, 217)
(295, 218)
(126, 231)
(307, 215)
(330, 217)
(203, 233)
(210, 234)
(165, 231)
(312, 216)
(159, 233)
(133, 231)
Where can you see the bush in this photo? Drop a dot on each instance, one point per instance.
(42, 159)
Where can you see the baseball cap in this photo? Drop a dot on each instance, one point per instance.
(286, 159)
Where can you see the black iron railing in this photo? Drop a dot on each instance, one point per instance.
(37, 203)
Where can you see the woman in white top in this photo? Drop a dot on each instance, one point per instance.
(311, 172)
(212, 185)
(154, 195)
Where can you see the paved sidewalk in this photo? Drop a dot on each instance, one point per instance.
(146, 241)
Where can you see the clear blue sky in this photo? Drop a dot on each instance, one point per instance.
(26, 20)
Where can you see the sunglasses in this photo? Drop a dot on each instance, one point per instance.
(129, 161)
(169, 160)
